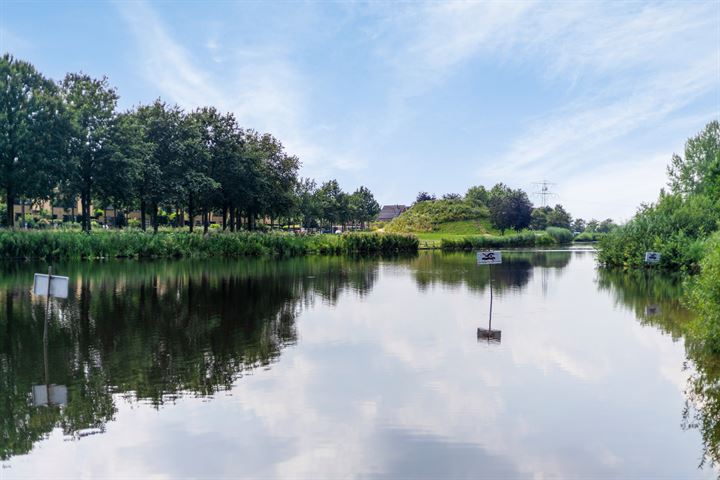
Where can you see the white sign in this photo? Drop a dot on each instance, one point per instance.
(652, 257)
(58, 285)
(489, 258)
(57, 393)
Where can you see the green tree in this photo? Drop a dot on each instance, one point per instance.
(539, 218)
(477, 195)
(509, 209)
(578, 225)
(307, 204)
(91, 106)
(424, 197)
(33, 134)
(606, 226)
(332, 202)
(699, 171)
(559, 217)
(363, 206)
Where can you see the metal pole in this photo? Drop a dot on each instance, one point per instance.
(491, 299)
(45, 337)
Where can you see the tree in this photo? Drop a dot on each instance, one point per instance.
(509, 208)
(118, 174)
(33, 130)
(91, 107)
(539, 218)
(452, 197)
(699, 171)
(578, 225)
(592, 226)
(559, 217)
(606, 226)
(363, 206)
(424, 197)
(307, 204)
(477, 195)
(332, 202)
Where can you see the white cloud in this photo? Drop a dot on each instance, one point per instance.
(261, 86)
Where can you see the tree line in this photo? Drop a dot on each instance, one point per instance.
(64, 141)
(511, 209)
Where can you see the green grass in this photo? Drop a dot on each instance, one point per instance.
(54, 245)
(448, 216)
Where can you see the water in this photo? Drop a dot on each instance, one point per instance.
(335, 367)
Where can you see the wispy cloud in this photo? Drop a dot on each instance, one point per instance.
(261, 86)
(630, 67)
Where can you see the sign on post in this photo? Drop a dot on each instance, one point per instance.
(44, 395)
(55, 287)
(489, 258)
(652, 257)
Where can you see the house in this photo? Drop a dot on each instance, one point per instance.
(389, 212)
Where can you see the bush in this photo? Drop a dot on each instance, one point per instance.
(561, 236)
(524, 239)
(676, 227)
(587, 237)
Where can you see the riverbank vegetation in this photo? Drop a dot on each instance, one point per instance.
(551, 236)
(52, 245)
(680, 222)
(66, 142)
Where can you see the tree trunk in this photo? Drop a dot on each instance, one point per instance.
(205, 219)
(85, 204)
(191, 212)
(224, 216)
(143, 213)
(10, 203)
(231, 220)
(154, 217)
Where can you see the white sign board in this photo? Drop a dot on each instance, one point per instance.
(58, 395)
(652, 257)
(489, 258)
(58, 286)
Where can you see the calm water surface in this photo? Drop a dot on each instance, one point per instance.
(342, 368)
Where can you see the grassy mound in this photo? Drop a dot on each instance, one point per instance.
(441, 215)
(138, 244)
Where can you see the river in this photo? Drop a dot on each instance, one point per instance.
(333, 367)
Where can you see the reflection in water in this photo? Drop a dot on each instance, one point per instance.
(369, 368)
(455, 269)
(152, 332)
(655, 300)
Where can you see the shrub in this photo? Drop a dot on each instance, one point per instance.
(426, 216)
(561, 236)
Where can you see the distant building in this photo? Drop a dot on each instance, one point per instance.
(389, 212)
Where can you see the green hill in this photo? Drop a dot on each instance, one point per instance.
(454, 217)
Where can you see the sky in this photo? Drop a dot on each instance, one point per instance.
(405, 97)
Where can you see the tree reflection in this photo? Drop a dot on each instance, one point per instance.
(152, 332)
(461, 269)
(639, 289)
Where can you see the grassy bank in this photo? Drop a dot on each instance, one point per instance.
(552, 236)
(137, 244)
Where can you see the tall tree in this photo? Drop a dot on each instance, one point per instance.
(33, 132)
(363, 206)
(509, 209)
(91, 106)
(699, 171)
(477, 195)
(559, 217)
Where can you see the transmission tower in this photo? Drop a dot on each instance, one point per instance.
(542, 190)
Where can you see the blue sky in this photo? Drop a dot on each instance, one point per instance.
(412, 96)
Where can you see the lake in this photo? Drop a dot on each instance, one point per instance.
(333, 367)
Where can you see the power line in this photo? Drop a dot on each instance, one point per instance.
(543, 191)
